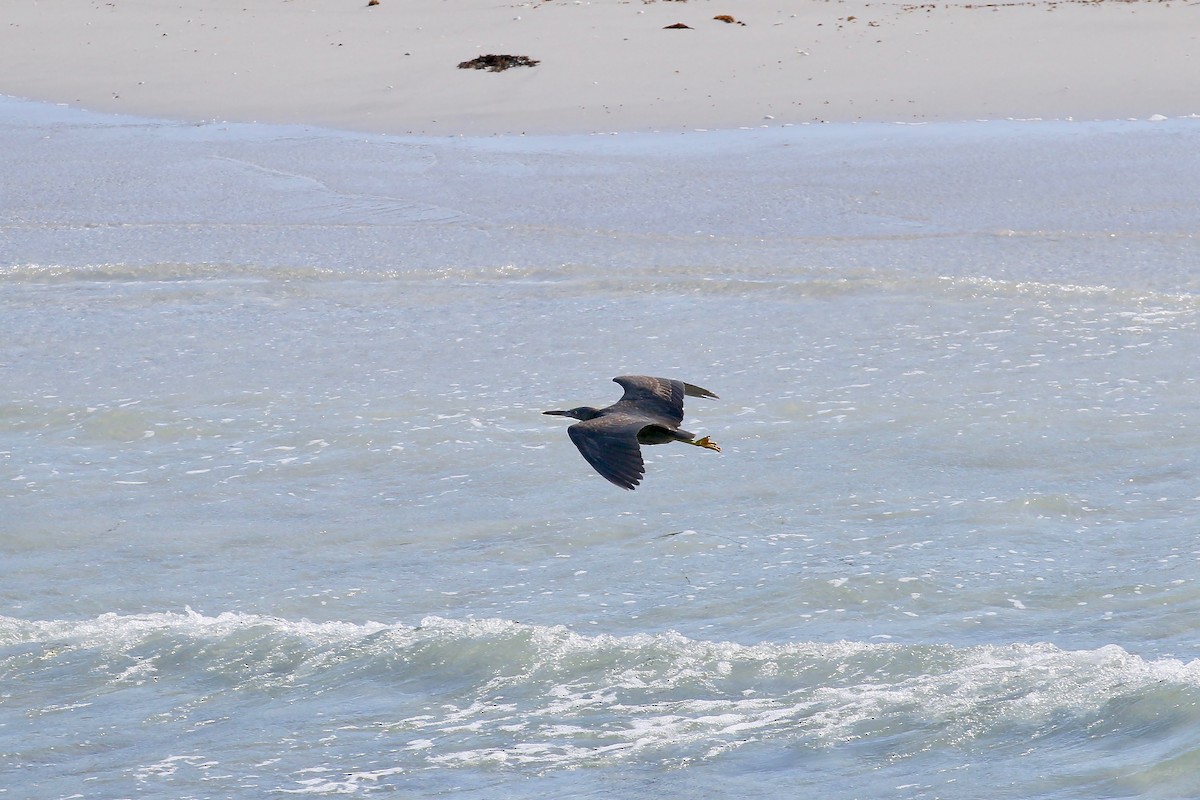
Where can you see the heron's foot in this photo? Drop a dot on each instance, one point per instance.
(707, 443)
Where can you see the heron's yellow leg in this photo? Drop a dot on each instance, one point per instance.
(706, 443)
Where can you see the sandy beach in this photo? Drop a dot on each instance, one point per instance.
(604, 65)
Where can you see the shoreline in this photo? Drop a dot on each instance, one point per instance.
(606, 66)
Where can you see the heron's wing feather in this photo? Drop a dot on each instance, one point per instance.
(696, 391)
(659, 398)
(610, 445)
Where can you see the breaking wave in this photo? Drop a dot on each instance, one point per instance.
(505, 693)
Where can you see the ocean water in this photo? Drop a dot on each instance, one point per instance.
(279, 512)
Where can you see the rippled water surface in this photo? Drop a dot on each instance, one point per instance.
(280, 513)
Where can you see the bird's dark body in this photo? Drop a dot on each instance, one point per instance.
(649, 412)
(656, 434)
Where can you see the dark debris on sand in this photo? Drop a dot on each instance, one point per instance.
(498, 63)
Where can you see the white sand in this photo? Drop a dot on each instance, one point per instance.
(605, 64)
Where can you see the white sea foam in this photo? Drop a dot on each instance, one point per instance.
(560, 697)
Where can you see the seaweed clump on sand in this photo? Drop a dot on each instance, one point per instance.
(498, 63)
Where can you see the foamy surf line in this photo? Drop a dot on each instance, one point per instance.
(469, 692)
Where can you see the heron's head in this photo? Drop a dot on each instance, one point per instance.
(583, 412)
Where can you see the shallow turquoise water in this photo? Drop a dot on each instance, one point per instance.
(281, 513)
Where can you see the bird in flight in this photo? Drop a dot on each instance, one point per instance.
(649, 412)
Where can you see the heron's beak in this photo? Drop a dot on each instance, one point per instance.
(556, 413)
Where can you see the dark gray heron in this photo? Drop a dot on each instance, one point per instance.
(649, 412)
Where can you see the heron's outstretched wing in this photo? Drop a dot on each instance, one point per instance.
(610, 445)
(659, 398)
